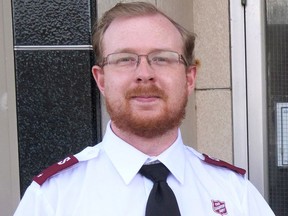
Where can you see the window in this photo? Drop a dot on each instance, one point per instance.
(277, 99)
(58, 103)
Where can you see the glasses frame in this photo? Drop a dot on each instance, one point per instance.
(181, 58)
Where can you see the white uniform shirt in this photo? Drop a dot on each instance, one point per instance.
(104, 181)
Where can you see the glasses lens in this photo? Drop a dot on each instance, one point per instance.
(122, 59)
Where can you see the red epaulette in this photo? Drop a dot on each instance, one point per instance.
(221, 163)
(57, 167)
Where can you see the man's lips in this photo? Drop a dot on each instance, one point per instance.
(145, 98)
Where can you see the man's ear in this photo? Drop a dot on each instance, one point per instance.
(191, 78)
(98, 75)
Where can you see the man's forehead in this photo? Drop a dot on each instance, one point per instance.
(141, 31)
(152, 19)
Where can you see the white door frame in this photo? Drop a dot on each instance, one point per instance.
(249, 90)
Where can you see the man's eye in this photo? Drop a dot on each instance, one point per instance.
(160, 60)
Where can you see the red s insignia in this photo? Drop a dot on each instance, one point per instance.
(219, 207)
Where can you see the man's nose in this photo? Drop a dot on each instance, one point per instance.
(144, 71)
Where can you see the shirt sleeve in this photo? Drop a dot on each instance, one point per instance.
(256, 204)
(34, 203)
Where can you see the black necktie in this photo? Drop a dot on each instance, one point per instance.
(161, 201)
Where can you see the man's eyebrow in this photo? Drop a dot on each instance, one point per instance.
(131, 50)
(125, 50)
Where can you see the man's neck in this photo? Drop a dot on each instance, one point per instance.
(153, 146)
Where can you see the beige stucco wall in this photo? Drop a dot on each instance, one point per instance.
(9, 167)
(208, 123)
(213, 89)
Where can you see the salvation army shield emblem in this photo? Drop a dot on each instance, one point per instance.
(219, 207)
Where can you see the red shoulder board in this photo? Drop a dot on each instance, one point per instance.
(221, 163)
(57, 167)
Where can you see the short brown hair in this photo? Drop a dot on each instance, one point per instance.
(135, 9)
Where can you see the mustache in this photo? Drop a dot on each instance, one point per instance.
(151, 90)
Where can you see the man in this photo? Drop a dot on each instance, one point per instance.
(145, 70)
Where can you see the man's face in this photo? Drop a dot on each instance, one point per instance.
(145, 102)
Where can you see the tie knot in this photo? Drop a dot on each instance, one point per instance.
(156, 172)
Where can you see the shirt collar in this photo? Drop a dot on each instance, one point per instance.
(128, 160)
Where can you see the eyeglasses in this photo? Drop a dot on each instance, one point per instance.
(157, 60)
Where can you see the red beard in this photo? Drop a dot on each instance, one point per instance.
(170, 116)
